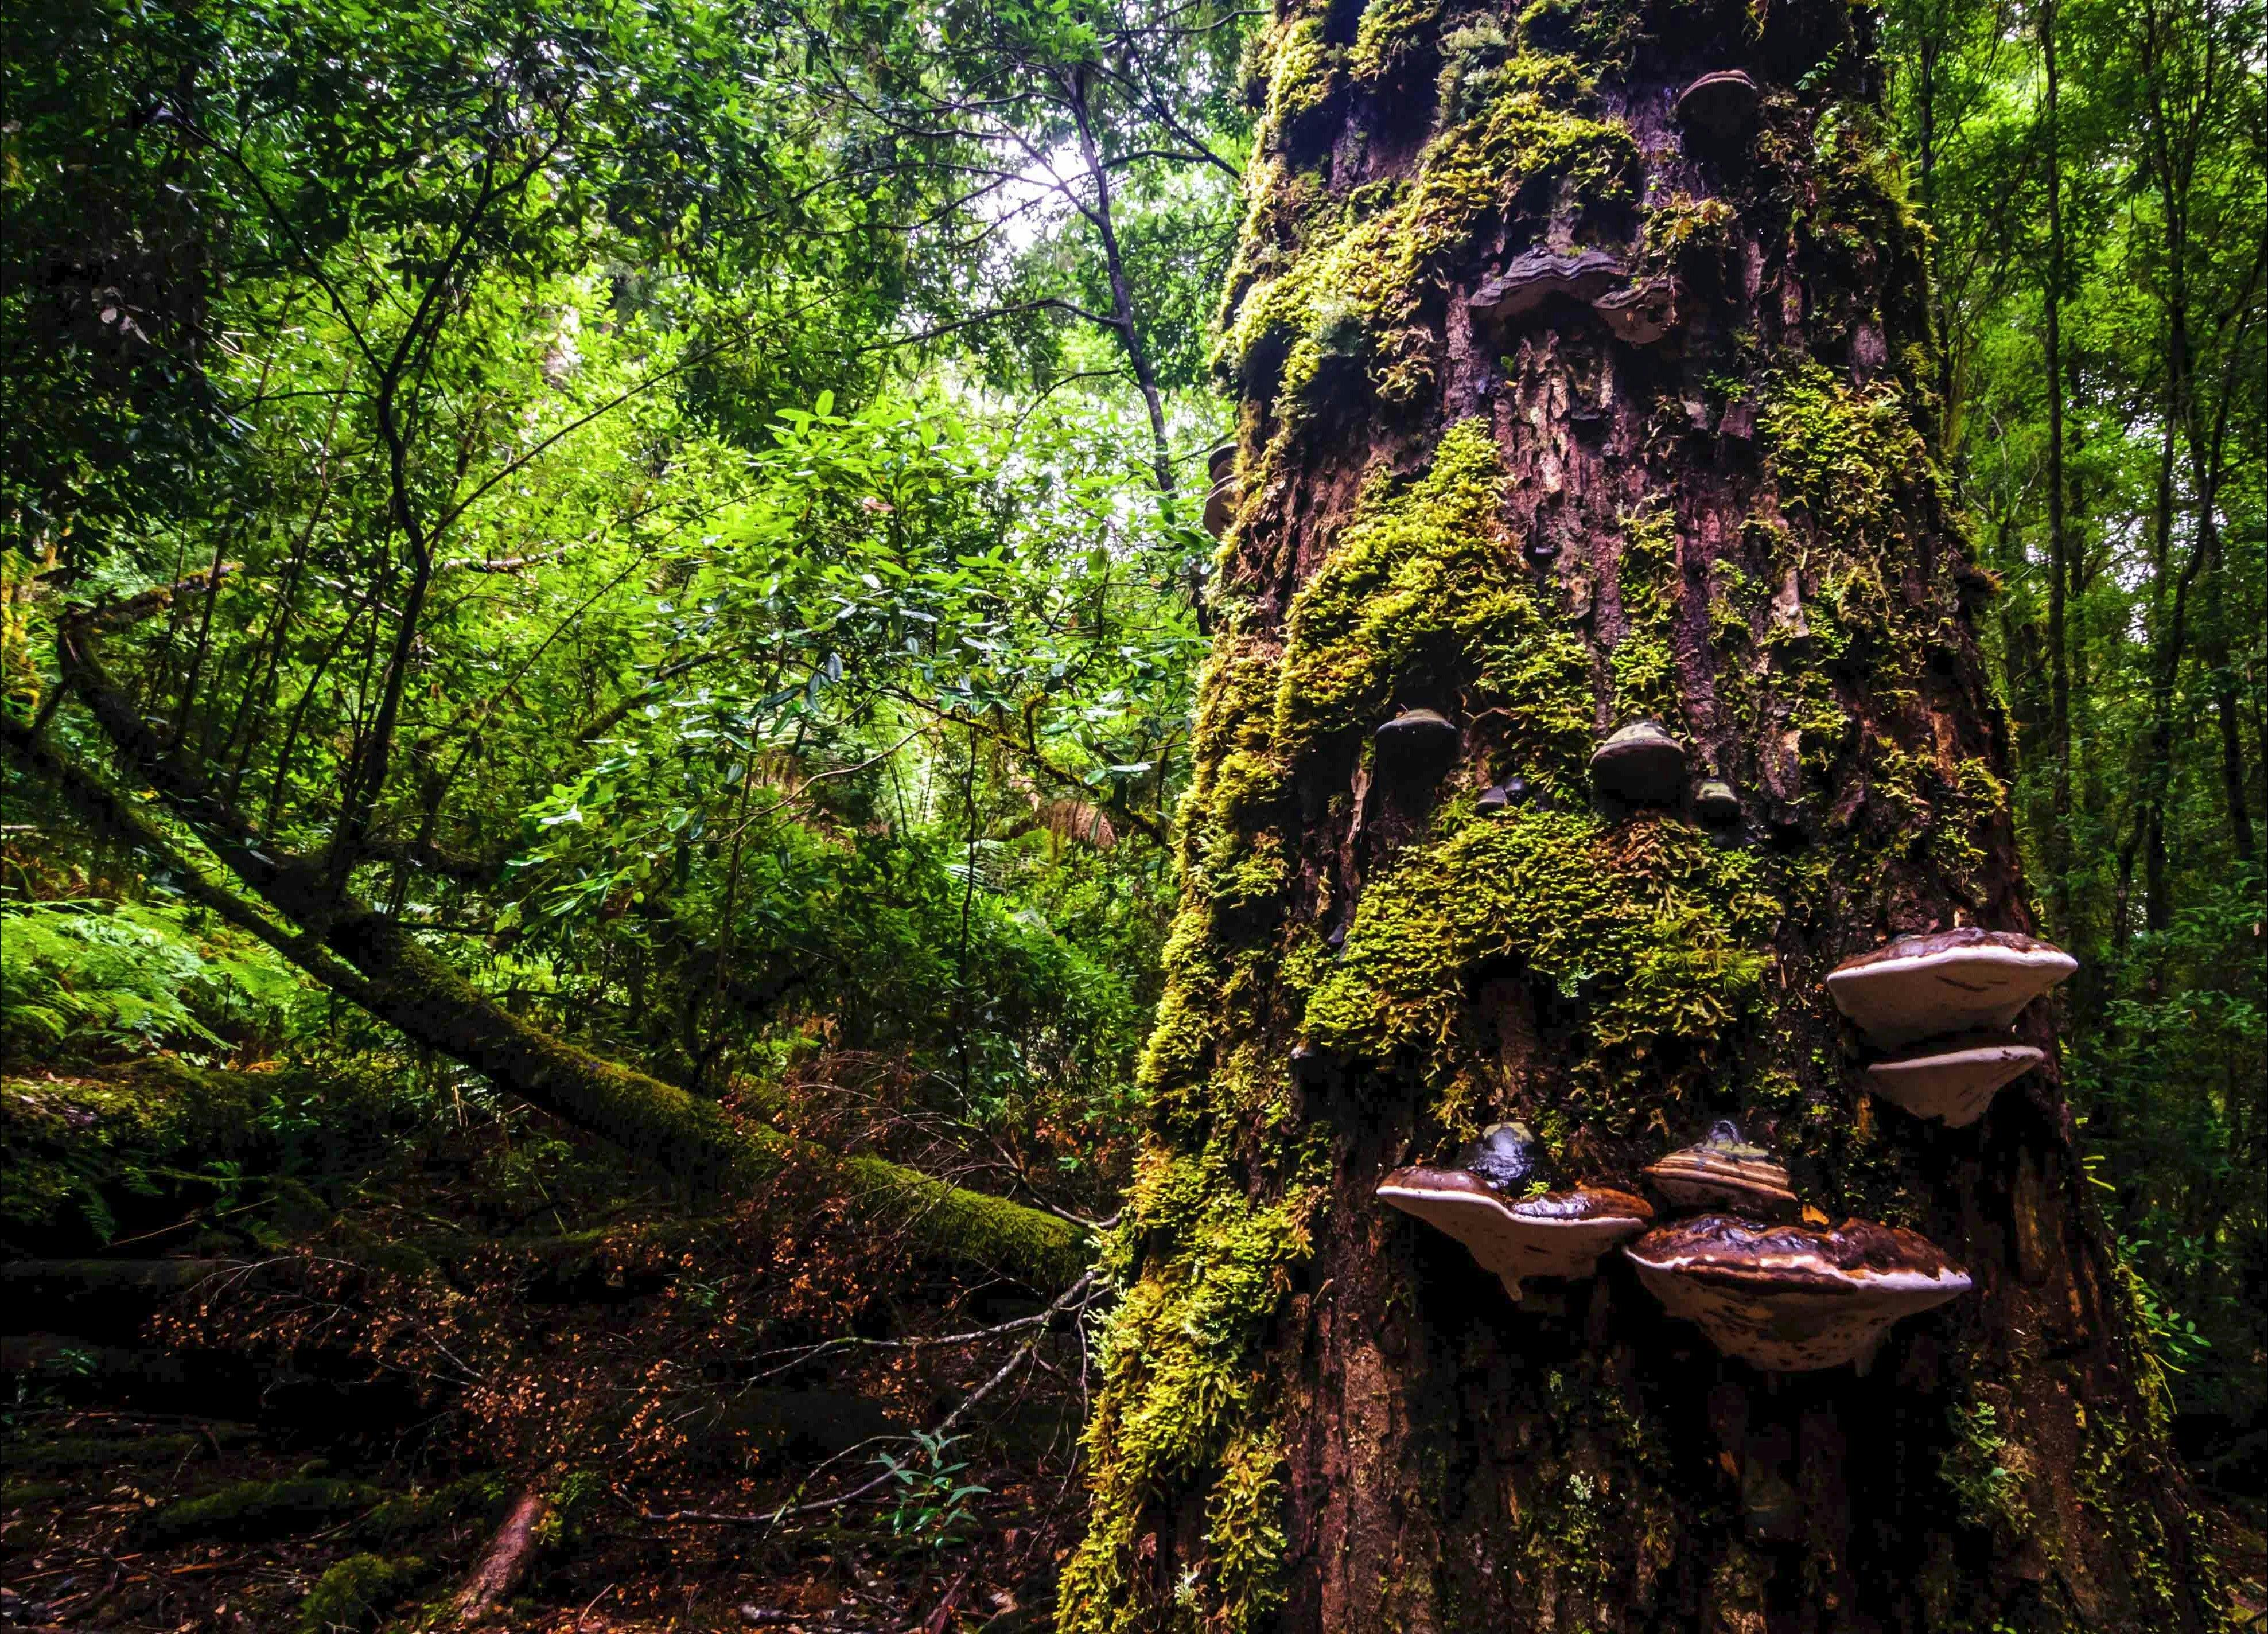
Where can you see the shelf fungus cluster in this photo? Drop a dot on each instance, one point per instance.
(1497, 1203)
(1938, 1006)
(1782, 1297)
(1637, 313)
(1643, 764)
(1416, 745)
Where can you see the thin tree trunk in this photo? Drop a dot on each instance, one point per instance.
(1477, 490)
(2059, 550)
(1122, 297)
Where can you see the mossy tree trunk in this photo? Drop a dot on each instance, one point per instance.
(1688, 479)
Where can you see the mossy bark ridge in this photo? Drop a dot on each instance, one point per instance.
(1558, 414)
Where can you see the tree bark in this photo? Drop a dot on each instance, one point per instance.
(1484, 481)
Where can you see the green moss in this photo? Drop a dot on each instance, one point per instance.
(1239, 782)
(1990, 1491)
(354, 1595)
(1654, 928)
(1354, 283)
(88, 1452)
(1848, 458)
(257, 1509)
(1307, 80)
(72, 1150)
(483, 1498)
(1185, 1398)
(1421, 586)
(1394, 35)
(33, 1494)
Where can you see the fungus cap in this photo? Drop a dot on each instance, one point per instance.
(1719, 106)
(1559, 1233)
(1537, 275)
(1723, 1171)
(1418, 741)
(1944, 982)
(1641, 763)
(1507, 1157)
(1953, 1079)
(1641, 314)
(1791, 1298)
(1223, 492)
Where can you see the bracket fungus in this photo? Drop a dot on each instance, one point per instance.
(1535, 276)
(1791, 1299)
(1723, 1172)
(1719, 106)
(1222, 492)
(1641, 763)
(1641, 314)
(1417, 743)
(1953, 1079)
(1556, 1234)
(1944, 982)
(1716, 805)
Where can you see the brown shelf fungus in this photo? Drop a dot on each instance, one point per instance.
(1724, 1171)
(1719, 106)
(1222, 492)
(1793, 1299)
(1556, 1234)
(1641, 764)
(1642, 313)
(1953, 1079)
(1944, 982)
(1417, 744)
(1535, 276)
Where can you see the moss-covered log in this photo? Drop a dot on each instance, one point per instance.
(1566, 406)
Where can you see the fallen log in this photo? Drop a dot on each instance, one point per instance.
(376, 962)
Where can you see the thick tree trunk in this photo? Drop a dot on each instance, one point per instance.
(1547, 497)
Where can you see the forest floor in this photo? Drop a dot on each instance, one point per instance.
(303, 1392)
(311, 1403)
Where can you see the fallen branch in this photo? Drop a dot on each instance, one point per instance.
(505, 1560)
(1063, 1302)
(157, 598)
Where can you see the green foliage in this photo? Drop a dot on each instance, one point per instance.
(2138, 799)
(932, 1498)
(91, 977)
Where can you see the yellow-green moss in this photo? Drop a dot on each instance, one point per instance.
(257, 1509)
(354, 1595)
(1354, 287)
(1307, 80)
(1423, 583)
(1393, 35)
(1186, 1400)
(1657, 929)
